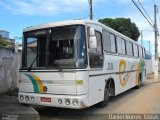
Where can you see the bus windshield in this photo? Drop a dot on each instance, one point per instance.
(58, 47)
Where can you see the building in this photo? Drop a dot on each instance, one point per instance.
(5, 35)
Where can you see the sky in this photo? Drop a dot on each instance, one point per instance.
(15, 15)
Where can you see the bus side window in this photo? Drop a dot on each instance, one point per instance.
(123, 47)
(140, 51)
(144, 53)
(128, 48)
(113, 43)
(135, 50)
(96, 55)
(106, 41)
(131, 47)
(119, 45)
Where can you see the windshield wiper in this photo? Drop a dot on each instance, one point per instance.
(58, 66)
(35, 59)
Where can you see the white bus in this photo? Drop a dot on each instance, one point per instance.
(77, 64)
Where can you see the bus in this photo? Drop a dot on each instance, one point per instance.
(78, 63)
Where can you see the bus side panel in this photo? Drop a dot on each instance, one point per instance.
(96, 87)
(82, 88)
(123, 72)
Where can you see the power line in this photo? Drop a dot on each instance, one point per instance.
(145, 11)
(142, 13)
(85, 17)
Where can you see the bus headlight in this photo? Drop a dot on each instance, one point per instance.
(26, 98)
(21, 97)
(60, 101)
(75, 102)
(67, 101)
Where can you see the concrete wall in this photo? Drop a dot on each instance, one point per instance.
(153, 64)
(149, 66)
(9, 69)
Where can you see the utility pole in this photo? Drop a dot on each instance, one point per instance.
(156, 44)
(141, 38)
(91, 11)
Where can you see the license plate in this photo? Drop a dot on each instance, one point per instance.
(45, 99)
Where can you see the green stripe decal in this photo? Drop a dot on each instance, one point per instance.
(34, 83)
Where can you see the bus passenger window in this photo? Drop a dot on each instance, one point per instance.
(119, 45)
(123, 47)
(129, 47)
(144, 53)
(106, 41)
(140, 52)
(135, 50)
(113, 43)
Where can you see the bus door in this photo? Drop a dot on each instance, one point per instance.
(96, 65)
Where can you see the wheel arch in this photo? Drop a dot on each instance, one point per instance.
(111, 83)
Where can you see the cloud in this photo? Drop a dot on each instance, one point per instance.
(47, 7)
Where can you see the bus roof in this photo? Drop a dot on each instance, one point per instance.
(54, 24)
(75, 22)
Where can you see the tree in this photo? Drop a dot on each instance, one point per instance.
(4, 43)
(122, 25)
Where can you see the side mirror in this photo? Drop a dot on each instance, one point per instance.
(91, 32)
(92, 39)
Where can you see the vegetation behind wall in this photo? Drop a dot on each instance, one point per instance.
(5, 43)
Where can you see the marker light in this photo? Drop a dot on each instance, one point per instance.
(21, 97)
(75, 102)
(32, 98)
(26, 98)
(67, 101)
(60, 101)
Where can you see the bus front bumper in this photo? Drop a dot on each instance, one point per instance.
(63, 101)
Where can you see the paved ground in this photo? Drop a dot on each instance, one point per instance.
(145, 100)
(10, 109)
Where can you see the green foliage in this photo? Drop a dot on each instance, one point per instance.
(122, 25)
(11, 92)
(5, 43)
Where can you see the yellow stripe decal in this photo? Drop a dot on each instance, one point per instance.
(122, 68)
(137, 73)
(39, 82)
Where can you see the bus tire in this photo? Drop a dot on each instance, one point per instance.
(139, 82)
(106, 97)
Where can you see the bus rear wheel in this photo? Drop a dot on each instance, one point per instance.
(139, 82)
(106, 97)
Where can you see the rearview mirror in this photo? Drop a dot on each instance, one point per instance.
(91, 32)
